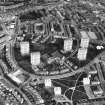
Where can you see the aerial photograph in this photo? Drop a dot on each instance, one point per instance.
(52, 52)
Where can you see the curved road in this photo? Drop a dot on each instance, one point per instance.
(56, 76)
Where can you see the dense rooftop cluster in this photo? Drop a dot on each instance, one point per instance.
(52, 52)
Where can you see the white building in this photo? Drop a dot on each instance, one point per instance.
(68, 43)
(24, 48)
(82, 53)
(14, 78)
(86, 81)
(35, 58)
(84, 43)
(18, 72)
(92, 35)
(61, 99)
(48, 83)
(84, 39)
(84, 34)
(57, 91)
(99, 92)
